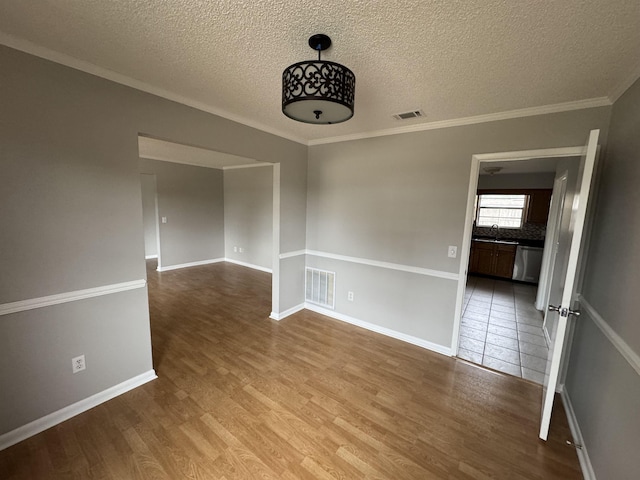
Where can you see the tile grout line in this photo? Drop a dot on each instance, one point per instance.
(516, 329)
(486, 333)
(515, 317)
(523, 341)
(485, 294)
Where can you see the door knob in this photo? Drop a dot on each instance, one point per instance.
(564, 312)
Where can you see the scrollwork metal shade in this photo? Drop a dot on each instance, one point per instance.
(319, 92)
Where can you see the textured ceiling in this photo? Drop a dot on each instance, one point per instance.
(452, 59)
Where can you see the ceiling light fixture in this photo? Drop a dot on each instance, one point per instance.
(318, 91)
(492, 170)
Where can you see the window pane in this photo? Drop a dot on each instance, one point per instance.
(506, 211)
(509, 201)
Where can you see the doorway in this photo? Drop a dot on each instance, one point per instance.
(201, 217)
(497, 322)
(501, 329)
(150, 215)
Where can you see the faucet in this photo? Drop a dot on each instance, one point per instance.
(495, 230)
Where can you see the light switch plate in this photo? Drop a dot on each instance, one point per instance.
(453, 251)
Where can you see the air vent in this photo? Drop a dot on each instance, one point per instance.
(320, 287)
(408, 115)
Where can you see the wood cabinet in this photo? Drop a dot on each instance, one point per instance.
(490, 258)
(539, 202)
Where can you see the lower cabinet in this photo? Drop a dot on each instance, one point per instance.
(495, 259)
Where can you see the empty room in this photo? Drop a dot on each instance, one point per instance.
(293, 240)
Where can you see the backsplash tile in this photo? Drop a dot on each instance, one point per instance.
(529, 231)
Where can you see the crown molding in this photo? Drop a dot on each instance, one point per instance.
(457, 122)
(88, 67)
(622, 87)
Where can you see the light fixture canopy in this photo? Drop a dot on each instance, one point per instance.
(492, 169)
(318, 91)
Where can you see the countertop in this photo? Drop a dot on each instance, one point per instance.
(511, 241)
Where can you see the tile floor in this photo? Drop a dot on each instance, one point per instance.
(501, 329)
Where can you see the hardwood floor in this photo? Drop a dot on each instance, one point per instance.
(240, 396)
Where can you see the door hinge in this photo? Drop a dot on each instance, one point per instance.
(574, 445)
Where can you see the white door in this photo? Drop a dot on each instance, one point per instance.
(551, 241)
(564, 281)
(553, 232)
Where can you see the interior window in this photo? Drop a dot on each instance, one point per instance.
(506, 211)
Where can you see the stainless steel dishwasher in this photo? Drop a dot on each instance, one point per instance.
(527, 265)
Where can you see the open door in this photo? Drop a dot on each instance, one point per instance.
(553, 235)
(564, 280)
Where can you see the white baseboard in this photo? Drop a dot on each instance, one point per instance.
(191, 264)
(33, 428)
(248, 265)
(286, 313)
(434, 347)
(150, 257)
(583, 456)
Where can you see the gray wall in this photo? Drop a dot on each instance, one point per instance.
(72, 219)
(292, 232)
(148, 184)
(402, 199)
(602, 385)
(248, 215)
(516, 180)
(112, 331)
(192, 200)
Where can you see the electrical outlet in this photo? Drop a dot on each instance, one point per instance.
(235, 249)
(241, 249)
(77, 364)
(164, 219)
(453, 251)
(350, 296)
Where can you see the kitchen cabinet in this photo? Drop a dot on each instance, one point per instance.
(492, 258)
(539, 202)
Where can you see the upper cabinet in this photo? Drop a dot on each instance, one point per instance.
(539, 202)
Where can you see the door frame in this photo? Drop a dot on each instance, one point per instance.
(156, 227)
(465, 250)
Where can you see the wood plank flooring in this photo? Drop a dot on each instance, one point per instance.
(240, 396)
